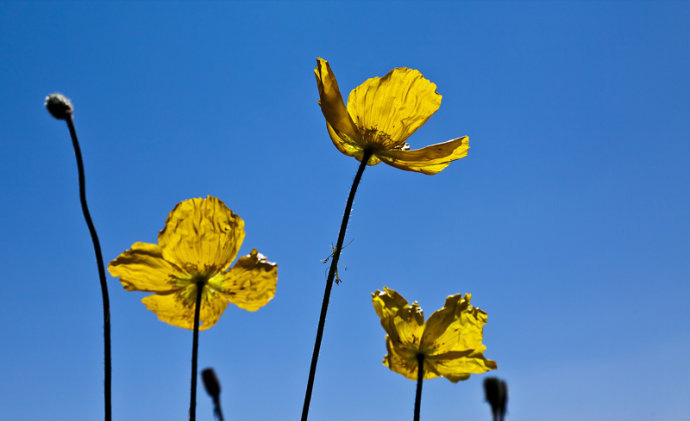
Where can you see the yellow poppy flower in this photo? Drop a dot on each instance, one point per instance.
(450, 341)
(381, 114)
(200, 240)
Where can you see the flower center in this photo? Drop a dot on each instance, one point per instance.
(381, 140)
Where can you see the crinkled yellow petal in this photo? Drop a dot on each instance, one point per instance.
(333, 108)
(456, 366)
(177, 308)
(251, 283)
(143, 268)
(395, 106)
(403, 360)
(348, 148)
(201, 235)
(457, 327)
(403, 323)
(429, 160)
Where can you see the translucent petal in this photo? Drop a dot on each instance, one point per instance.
(201, 235)
(429, 160)
(342, 143)
(403, 360)
(348, 148)
(457, 327)
(456, 366)
(403, 323)
(333, 107)
(143, 268)
(393, 106)
(177, 308)
(251, 283)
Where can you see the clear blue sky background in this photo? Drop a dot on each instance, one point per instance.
(568, 221)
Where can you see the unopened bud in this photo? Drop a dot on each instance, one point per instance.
(211, 383)
(496, 392)
(59, 106)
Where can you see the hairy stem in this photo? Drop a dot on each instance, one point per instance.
(329, 283)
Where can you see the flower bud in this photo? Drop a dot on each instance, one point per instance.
(211, 383)
(59, 106)
(496, 392)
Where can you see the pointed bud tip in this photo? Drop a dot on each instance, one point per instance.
(59, 106)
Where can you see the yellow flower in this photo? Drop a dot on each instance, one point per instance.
(200, 239)
(381, 114)
(450, 341)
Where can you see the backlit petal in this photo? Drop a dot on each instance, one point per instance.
(429, 160)
(394, 106)
(403, 323)
(456, 366)
(201, 235)
(403, 360)
(350, 149)
(251, 283)
(457, 327)
(333, 107)
(143, 268)
(177, 308)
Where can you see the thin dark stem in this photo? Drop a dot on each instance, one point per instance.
(420, 379)
(329, 282)
(195, 352)
(101, 270)
(217, 410)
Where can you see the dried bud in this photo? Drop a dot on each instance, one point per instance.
(211, 383)
(496, 392)
(59, 106)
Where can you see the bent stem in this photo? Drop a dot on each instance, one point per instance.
(101, 269)
(195, 351)
(420, 379)
(329, 282)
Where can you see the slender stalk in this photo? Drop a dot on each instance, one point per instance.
(217, 410)
(329, 282)
(195, 352)
(420, 379)
(101, 270)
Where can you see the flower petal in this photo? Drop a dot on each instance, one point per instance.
(251, 283)
(177, 308)
(456, 366)
(429, 160)
(403, 323)
(201, 235)
(333, 107)
(348, 148)
(143, 268)
(403, 360)
(457, 326)
(395, 105)
(453, 336)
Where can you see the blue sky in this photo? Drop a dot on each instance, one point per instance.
(568, 221)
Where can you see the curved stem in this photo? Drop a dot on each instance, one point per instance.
(195, 352)
(101, 270)
(329, 282)
(420, 379)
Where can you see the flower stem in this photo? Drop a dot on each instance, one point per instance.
(195, 352)
(329, 282)
(101, 269)
(420, 379)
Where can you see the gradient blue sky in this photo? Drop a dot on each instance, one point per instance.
(568, 221)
